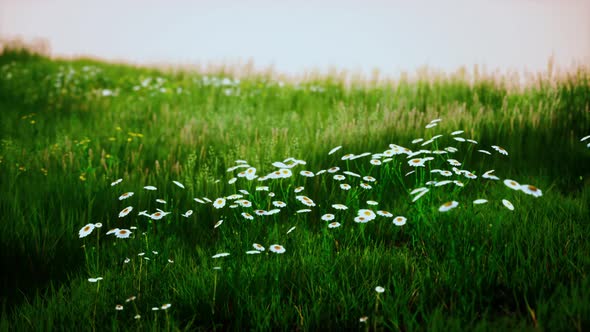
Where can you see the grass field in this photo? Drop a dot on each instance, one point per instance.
(71, 129)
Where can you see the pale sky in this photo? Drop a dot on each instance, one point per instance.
(296, 36)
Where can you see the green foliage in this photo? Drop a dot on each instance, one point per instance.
(70, 128)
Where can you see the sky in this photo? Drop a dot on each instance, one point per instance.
(297, 36)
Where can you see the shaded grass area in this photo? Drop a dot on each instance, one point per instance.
(476, 268)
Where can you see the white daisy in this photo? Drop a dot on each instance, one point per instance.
(112, 231)
(279, 204)
(340, 206)
(372, 202)
(223, 254)
(379, 289)
(339, 177)
(165, 306)
(307, 174)
(298, 189)
(386, 214)
(150, 188)
(86, 230)
(247, 215)
(347, 156)
(489, 175)
(448, 205)
(459, 139)
(258, 247)
(480, 201)
(178, 184)
(219, 203)
(512, 184)
(352, 174)
(161, 201)
(361, 220)
(431, 125)
(217, 224)
(198, 200)
(458, 183)
(125, 196)
(364, 185)
(485, 151)
(375, 162)
(585, 138)
(417, 162)
(244, 202)
(508, 205)
(333, 169)
(116, 182)
(453, 162)
(118, 307)
(369, 178)
(188, 213)
(328, 217)
(366, 213)
(472, 141)
(303, 211)
(500, 150)
(335, 149)
(277, 248)
(123, 233)
(207, 200)
(417, 140)
(457, 132)
(345, 186)
(125, 211)
(420, 194)
(232, 180)
(157, 215)
(399, 220)
(305, 200)
(252, 252)
(334, 224)
(322, 171)
(291, 229)
(531, 190)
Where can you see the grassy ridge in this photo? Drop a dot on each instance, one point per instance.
(65, 139)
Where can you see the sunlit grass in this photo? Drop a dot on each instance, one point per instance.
(213, 202)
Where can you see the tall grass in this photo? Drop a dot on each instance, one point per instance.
(71, 128)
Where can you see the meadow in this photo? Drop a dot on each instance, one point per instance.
(137, 198)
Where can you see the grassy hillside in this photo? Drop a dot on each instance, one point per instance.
(71, 129)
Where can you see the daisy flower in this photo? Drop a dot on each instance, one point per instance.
(244, 203)
(361, 219)
(399, 221)
(299, 189)
(116, 182)
(245, 192)
(138, 316)
(161, 201)
(585, 138)
(178, 184)
(157, 215)
(207, 200)
(223, 254)
(411, 172)
(470, 175)
(352, 174)
(417, 162)
(188, 213)
(453, 162)
(322, 171)
(333, 169)
(384, 213)
(291, 229)
(442, 183)
(97, 279)
(252, 252)
(303, 211)
(125, 196)
(262, 188)
(372, 202)
(500, 150)
(307, 174)
(480, 201)
(446, 173)
(260, 212)
(375, 162)
(363, 319)
(86, 230)
(379, 289)
(448, 205)
(472, 141)
(166, 306)
(417, 140)
(431, 125)
(277, 248)
(131, 298)
(420, 194)
(123, 233)
(217, 224)
(458, 183)
(305, 200)
(508, 205)
(531, 190)
(112, 231)
(369, 178)
(345, 186)
(232, 180)
(347, 156)
(334, 224)
(125, 211)
(457, 132)
(366, 213)
(485, 151)
(247, 215)
(512, 184)
(418, 190)
(219, 203)
(451, 149)
(279, 204)
(118, 307)
(489, 175)
(198, 200)
(339, 206)
(273, 211)
(364, 185)
(258, 247)
(150, 188)
(98, 225)
(459, 139)
(339, 177)
(335, 149)
(328, 217)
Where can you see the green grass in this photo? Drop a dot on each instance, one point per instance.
(472, 268)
